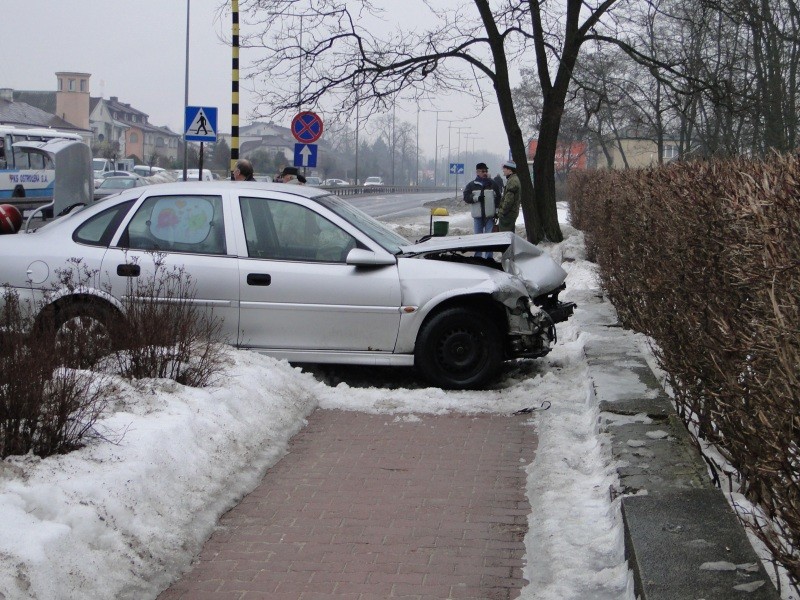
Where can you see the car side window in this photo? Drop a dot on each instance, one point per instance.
(286, 231)
(177, 224)
(99, 229)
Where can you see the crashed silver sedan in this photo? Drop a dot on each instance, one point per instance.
(300, 274)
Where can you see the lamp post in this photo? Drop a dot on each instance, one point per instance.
(436, 142)
(458, 154)
(449, 128)
(186, 95)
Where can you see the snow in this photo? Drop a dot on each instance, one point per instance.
(121, 518)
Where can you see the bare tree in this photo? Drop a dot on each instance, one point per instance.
(325, 53)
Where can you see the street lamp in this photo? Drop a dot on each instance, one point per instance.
(449, 127)
(436, 142)
(458, 154)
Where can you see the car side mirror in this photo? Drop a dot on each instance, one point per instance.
(358, 257)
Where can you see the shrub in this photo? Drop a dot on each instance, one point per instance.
(44, 408)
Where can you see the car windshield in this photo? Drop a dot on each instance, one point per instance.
(385, 237)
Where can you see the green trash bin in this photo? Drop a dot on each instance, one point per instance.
(441, 227)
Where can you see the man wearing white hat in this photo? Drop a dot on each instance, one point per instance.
(508, 211)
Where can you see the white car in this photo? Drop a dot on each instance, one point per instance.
(298, 273)
(335, 182)
(373, 181)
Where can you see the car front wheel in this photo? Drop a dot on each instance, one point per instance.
(458, 348)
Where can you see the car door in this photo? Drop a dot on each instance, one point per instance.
(180, 231)
(298, 293)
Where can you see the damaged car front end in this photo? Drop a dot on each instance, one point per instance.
(521, 289)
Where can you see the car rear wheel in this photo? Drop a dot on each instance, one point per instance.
(82, 331)
(458, 348)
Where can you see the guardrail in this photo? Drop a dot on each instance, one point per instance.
(355, 190)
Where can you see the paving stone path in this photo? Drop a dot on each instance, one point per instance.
(371, 507)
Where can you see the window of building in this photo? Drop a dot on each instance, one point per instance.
(134, 139)
(83, 85)
(670, 151)
(71, 85)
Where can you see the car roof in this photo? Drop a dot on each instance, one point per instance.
(224, 185)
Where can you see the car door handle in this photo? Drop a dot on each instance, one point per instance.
(259, 279)
(128, 270)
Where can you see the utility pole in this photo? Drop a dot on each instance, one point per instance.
(436, 141)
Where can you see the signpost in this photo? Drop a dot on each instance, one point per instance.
(456, 169)
(306, 128)
(200, 125)
(305, 155)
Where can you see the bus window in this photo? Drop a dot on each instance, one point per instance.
(3, 163)
(20, 159)
(36, 160)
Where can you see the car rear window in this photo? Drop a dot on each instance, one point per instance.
(99, 229)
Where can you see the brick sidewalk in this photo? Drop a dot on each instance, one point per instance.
(370, 507)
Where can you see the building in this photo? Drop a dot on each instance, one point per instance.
(97, 120)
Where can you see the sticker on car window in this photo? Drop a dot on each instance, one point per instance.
(182, 220)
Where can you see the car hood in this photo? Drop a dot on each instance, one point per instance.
(534, 266)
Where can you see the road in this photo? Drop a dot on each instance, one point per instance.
(386, 206)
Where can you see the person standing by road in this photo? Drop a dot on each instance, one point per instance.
(243, 171)
(291, 176)
(482, 193)
(508, 211)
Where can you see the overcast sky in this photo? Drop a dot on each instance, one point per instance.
(136, 50)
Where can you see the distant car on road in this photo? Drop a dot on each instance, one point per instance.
(315, 181)
(117, 183)
(335, 182)
(373, 181)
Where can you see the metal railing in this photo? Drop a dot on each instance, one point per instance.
(356, 190)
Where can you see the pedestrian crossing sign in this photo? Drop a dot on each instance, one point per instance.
(200, 124)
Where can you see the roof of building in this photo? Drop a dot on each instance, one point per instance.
(22, 113)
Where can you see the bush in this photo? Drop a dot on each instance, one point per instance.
(164, 334)
(44, 408)
(705, 259)
(55, 376)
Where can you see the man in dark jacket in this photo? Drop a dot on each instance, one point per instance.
(508, 211)
(483, 194)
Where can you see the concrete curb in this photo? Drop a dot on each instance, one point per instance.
(682, 539)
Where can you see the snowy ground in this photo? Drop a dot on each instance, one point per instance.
(121, 520)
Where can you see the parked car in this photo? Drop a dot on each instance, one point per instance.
(147, 170)
(373, 181)
(194, 175)
(315, 181)
(335, 182)
(300, 274)
(115, 184)
(107, 174)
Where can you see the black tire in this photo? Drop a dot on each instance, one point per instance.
(83, 331)
(458, 348)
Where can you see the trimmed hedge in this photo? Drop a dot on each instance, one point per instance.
(705, 259)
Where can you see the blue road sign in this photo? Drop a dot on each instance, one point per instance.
(305, 155)
(200, 124)
(456, 168)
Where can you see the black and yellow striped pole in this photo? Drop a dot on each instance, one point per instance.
(234, 85)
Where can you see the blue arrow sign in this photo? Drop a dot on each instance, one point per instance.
(305, 155)
(456, 168)
(200, 124)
